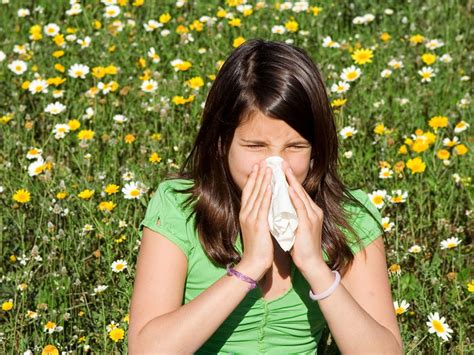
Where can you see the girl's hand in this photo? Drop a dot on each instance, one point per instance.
(253, 218)
(306, 251)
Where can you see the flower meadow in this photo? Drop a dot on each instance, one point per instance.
(100, 99)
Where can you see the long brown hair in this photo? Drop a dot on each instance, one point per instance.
(282, 82)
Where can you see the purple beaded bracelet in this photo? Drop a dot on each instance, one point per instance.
(231, 271)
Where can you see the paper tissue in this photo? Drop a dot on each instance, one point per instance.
(282, 217)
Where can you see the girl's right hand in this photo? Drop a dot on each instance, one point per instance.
(253, 218)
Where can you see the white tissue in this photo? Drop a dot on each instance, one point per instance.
(282, 217)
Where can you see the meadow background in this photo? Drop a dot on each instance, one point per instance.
(100, 99)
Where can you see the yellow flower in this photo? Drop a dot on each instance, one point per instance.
(338, 102)
(380, 129)
(59, 67)
(8, 305)
(470, 286)
(428, 58)
(420, 145)
(394, 268)
(86, 194)
(416, 39)
(184, 65)
(25, 85)
(416, 165)
(165, 18)
(460, 149)
(235, 22)
(97, 24)
(50, 350)
(221, 13)
(117, 334)
(106, 205)
(74, 124)
(156, 136)
(59, 40)
(291, 26)
(443, 154)
(403, 149)
(180, 100)
(58, 54)
(438, 122)
(385, 37)
(22, 196)
(238, 41)
(181, 29)
(61, 195)
(129, 138)
(154, 158)
(362, 56)
(111, 70)
(111, 189)
(315, 10)
(85, 134)
(98, 72)
(195, 83)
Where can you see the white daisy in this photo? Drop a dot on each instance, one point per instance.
(400, 308)
(397, 196)
(347, 132)
(119, 265)
(350, 74)
(55, 108)
(446, 58)
(78, 71)
(128, 175)
(51, 29)
(278, 29)
(84, 43)
(21, 48)
(329, 43)
(377, 198)
(149, 85)
(153, 55)
(165, 33)
(448, 142)
(60, 130)
(395, 64)
(385, 173)
(348, 154)
(38, 86)
(387, 225)
(132, 190)
(36, 167)
(23, 12)
(34, 153)
(434, 43)
(152, 25)
(386, 73)
(120, 118)
(450, 243)
(18, 67)
(3, 56)
(426, 74)
(461, 126)
(341, 87)
(438, 326)
(414, 249)
(111, 11)
(74, 10)
(99, 289)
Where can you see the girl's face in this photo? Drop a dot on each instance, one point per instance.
(262, 137)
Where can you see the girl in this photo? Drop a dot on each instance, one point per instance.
(210, 277)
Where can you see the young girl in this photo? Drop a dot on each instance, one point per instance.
(210, 277)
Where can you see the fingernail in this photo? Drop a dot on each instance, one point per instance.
(290, 170)
(255, 167)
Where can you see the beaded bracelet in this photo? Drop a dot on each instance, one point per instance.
(330, 290)
(232, 271)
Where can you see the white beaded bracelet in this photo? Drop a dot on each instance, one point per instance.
(328, 291)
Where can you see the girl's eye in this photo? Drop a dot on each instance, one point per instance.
(259, 145)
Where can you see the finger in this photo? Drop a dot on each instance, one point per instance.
(300, 207)
(262, 192)
(300, 191)
(256, 188)
(249, 185)
(265, 205)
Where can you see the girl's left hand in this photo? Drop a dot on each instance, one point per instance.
(306, 251)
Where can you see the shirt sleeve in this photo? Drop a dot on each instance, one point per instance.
(164, 207)
(364, 225)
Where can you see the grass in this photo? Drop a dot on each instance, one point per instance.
(51, 262)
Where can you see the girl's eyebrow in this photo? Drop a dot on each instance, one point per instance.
(262, 142)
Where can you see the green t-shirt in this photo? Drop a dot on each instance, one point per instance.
(291, 323)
